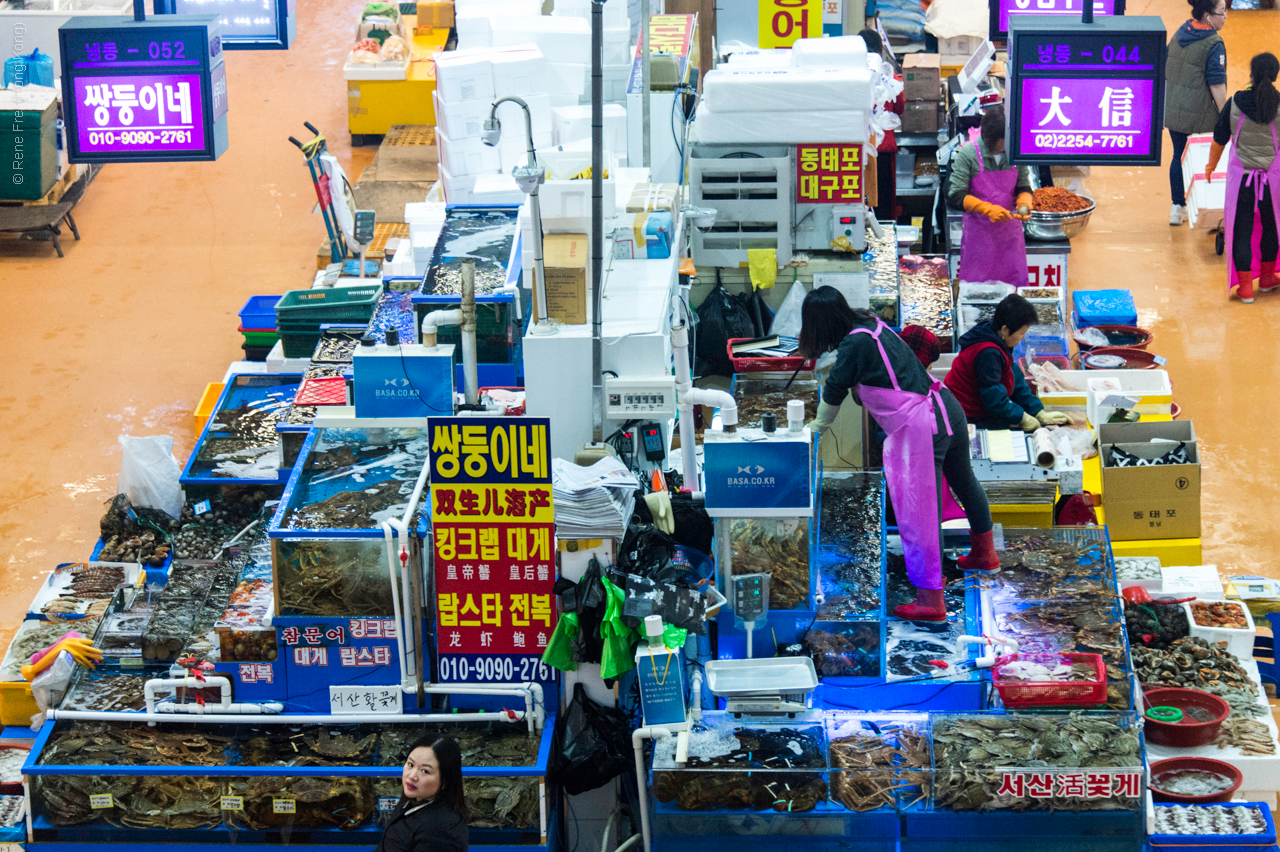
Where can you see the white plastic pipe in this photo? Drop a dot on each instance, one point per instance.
(637, 744)
(695, 694)
(156, 683)
(395, 597)
(432, 322)
(238, 708)
(290, 719)
(512, 289)
(470, 374)
(534, 714)
(687, 396)
(989, 623)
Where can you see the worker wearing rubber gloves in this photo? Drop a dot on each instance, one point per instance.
(996, 199)
(927, 439)
(1253, 179)
(986, 381)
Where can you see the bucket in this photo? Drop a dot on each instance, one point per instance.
(1187, 732)
(1127, 336)
(1161, 771)
(1131, 358)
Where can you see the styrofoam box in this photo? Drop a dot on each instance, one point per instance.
(377, 71)
(615, 14)
(785, 128)
(570, 124)
(1184, 581)
(467, 156)
(513, 148)
(59, 579)
(567, 78)
(754, 89)
(616, 80)
(467, 118)
(496, 189)
(520, 72)
(839, 52)
(1151, 386)
(568, 39)
(757, 56)
(1148, 391)
(473, 29)
(1239, 642)
(617, 45)
(424, 213)
(1196, 157)
(1206, 204)
(564, 161)
(423, 244)
(961, 45)
(1152, 585)
(464, 76)
(457, 190)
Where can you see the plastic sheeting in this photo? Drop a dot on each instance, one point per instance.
(752, 88)
(780, 128)
(840, 52)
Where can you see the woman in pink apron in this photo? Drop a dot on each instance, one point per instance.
(927, 436)
(1248, 121)
(996, 199)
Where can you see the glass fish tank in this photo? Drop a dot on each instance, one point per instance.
(239, 443)
(779, 547)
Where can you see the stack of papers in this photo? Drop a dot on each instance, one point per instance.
(595, 501)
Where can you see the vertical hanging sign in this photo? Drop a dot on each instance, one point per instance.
(493, 527)
(782, 22)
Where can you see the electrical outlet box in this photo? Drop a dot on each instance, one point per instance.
(750, 596)
(629, 398)
(850, 220)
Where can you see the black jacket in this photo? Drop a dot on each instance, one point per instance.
(433, 828)
(1003, 410)
(858, 362)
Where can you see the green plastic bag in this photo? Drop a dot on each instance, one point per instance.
(381, 10)
(620, 641)
(559, 652)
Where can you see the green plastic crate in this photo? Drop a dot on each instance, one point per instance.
(330, 305)
(260, 338)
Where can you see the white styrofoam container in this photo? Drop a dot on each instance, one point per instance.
(424, 213)
(520, 72)
(780, 128)
(513, 148)
(59, 580)
(1155, 584)
(464, 76)
(756, 56)
(1151, 386)
(1239, 642)
(496, 189)
(754, 89)
(467, 156)
(617, 45)
(1184, 581)
(462, 119)
(839, 52)
(378, 71)
(423, 243)
(1195, 158)
(1138, 389)
(573, 123)
(566, 38)
(457, 190)
(567, 78)
(473, 29)
(615, 14)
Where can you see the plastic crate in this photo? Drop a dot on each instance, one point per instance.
(1218, 842)
(17, 705)
(259, 312)
(1018, 695)
(750, 364)
(212, 391)
(325, 390)
(329, 305)
(1104, 307)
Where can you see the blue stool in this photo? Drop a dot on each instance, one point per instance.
(1266, 646)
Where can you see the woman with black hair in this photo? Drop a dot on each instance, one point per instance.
(1253, 178)
(1195, 87)
(927, 438)
(432, 814)
(996, 198)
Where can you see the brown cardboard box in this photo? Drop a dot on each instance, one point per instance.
(438, 15)
(564, 258)
(1152, 501)
(921, 117)
(922, 77)
(654, 196)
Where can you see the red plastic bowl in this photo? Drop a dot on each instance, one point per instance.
(1207, 764)
(1143, 336)
(1135, 359)
(1188, 732)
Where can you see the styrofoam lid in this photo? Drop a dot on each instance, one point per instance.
(830, 52)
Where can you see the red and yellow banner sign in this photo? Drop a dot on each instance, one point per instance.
(829, 174)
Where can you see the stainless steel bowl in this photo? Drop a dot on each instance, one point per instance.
(1057, 226)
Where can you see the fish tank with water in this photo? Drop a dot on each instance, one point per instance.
(275, 784)
(239, 444)
(328, 549)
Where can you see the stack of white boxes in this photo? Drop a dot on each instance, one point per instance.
(618, 50)
(412, 256)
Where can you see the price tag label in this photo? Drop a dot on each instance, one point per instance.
(101, 801)
(130, 662)
(233, 803)
(284, 806)
(1161, 360)
(387, 804)
(783, 22)
(202, 507)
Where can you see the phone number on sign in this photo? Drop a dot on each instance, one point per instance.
(1082, 140)
(460, 669)
(140, 137)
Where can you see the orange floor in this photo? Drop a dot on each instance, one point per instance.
(122, 335)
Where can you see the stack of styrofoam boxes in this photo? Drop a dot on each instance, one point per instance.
(571, 124)
(564, 41)
(467, 84)
(618, 52)
(473, 19)
(824, 95)
(425, 220)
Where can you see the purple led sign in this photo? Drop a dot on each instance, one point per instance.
(1050, 7)
(1092, 116)
(139, 113)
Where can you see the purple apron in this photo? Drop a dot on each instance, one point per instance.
(1258, 180)
(909, 466)
(993, 251)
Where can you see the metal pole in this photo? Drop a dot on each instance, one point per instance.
(597, 210)
(1086, 16)
(139, 10)
(645, 58)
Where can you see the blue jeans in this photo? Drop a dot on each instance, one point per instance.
(1175, 168)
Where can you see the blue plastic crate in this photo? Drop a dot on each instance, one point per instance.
(1219, 842)
(1104, 307)
(259, 312)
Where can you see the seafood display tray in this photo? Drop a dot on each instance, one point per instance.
(250, 392)
(1220, 842)
(460, 238)
(59, 580)
(154, 574)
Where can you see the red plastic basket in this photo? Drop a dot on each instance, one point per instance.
(1020, 694)
(743, 364)
(322, 390)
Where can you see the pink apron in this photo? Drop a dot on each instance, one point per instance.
(1258, 180)
(993, 251)
(909, 467)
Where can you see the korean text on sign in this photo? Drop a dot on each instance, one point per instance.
(828, 174)
(783, 22)
(490, 450)
(1081, 784)
(151, 111)
(492, 503)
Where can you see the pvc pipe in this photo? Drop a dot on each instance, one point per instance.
(682, 748)
(989, 623)
(149, 689)
(597, 205)
(637, 744)
(395, 597)
(695, 694)
(283, 719)
(512, 289)
(470, 382)
(533, 713)
(435, 319)
(238, 707)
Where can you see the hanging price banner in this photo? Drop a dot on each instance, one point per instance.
(784, 21)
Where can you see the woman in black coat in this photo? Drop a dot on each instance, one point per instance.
(432, 813)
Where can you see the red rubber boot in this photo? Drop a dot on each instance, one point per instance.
(929, 605)
(1267, 281)
(1243, 288)
(982, 554)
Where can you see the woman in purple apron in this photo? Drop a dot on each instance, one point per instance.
(1248, 121)
(927, 436)
(996, 198)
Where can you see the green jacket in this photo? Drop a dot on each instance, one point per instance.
(1188, 104)
(964, 165)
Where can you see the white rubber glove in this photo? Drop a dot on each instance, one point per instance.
(826, 417)
(1029, 424)
(1053, 418)
(659, 503)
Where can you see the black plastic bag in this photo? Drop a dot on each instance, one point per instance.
(592, 745)
(721, 316)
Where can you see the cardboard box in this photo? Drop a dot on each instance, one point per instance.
(1152, 501)
(921, 117)
(438, 14)
(564, 260)
(961, 47)
(922, 77)
(654, 196)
